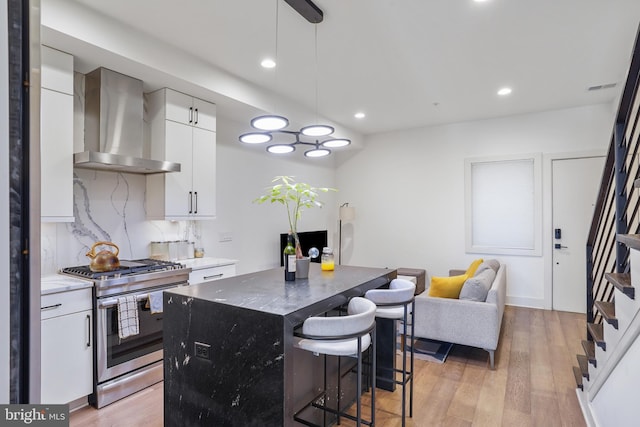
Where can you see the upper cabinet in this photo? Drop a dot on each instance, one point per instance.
(183, 131)
(56, 136)
(188, 110)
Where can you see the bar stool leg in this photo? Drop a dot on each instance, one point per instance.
(373, 379)
(359, 384)
(404, 369)
(413, 305)
(339, 389)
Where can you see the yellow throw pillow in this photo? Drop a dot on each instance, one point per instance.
(473, 267)
(447, 287)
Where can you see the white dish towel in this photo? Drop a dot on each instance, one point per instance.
(128, 323)
(155, 302)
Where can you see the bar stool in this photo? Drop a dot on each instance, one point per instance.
(393, 303)
(350, 336)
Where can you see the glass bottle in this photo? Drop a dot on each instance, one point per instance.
(289, 255)
(327, 262)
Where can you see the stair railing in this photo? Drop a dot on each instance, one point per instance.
(617, 209)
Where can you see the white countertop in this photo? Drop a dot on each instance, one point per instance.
(206, 262)
(55, 283)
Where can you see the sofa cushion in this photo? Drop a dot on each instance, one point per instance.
(447, 287)
(471, 271)
(476, 288)
(493, 264)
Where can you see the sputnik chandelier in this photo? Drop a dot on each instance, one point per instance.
(269, 126)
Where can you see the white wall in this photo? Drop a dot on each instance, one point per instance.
(408, 190)
(110, 206)
(242, 176)
(4, 210)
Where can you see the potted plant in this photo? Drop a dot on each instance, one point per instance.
(295, 196)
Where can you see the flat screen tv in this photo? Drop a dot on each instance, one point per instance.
(308, 240)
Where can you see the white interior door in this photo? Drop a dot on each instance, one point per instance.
(575, 189)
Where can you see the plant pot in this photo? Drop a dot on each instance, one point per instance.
(302, 268)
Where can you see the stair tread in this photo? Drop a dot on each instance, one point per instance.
(590, 351)
(583, 363)
(608, 312)
(622, 282)
(578, 376)
(631, 240)
(596, 331)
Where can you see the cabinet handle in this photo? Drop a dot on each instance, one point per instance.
(88, 331)
(51, 307)
(190, 202)
(197, 117)
(196, 204)
(190, 114)
(215, 276)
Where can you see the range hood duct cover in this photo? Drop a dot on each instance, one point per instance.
(113, 121)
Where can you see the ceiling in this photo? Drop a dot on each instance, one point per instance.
(405, 64)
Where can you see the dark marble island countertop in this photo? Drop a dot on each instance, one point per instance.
(268, 292)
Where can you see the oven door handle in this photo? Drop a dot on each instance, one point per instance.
(113, 302)
(139, 297)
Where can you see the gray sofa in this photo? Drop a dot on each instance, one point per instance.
(472, 323)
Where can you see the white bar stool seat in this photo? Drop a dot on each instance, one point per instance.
(348, 335)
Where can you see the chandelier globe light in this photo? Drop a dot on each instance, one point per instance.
(269, 125)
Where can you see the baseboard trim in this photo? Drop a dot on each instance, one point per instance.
(584, 407)
(525, 302)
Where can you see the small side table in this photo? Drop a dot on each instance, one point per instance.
(415, 275)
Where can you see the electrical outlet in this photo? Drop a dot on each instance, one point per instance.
(225, 236)
(203, 351)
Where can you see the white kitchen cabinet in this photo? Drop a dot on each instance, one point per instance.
(56, 70)
(67, 346)
(188, 110)
(191, 193)
(56, 136)
(213, 273)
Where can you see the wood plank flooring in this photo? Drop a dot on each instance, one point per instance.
(532, 384)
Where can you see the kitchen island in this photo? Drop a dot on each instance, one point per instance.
(229, 358)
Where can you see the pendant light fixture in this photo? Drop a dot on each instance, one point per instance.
(269, 125)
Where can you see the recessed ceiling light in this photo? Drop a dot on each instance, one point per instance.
(479, 1)
(268, 63)
(359, 115)
(504, 91)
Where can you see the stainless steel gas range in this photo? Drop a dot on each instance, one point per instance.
(126, 365)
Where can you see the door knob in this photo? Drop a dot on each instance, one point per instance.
(559, 246)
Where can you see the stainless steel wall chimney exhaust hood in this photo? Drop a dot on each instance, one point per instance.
(113, 126)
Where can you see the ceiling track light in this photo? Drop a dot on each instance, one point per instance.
(307, 9)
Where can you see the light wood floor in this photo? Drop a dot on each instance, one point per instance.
(532, 384)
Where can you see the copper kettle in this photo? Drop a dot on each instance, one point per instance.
(103, 260)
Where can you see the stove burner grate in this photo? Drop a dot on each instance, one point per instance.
(127, 268)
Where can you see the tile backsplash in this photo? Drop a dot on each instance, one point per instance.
(108, 206)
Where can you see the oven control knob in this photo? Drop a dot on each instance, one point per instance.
(117, 275)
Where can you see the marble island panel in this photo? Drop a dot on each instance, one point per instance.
(229, 357)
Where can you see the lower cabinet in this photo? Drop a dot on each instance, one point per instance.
(211, 273)
(67, 346)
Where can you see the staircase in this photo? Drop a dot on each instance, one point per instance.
(608, 373)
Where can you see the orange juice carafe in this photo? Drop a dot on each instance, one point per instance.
(327, 262)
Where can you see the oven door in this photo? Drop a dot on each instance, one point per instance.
(117, 356)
